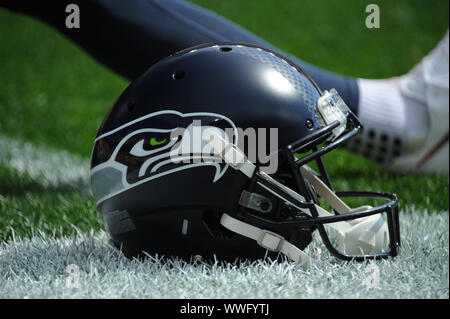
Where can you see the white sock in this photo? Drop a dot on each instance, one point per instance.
(393, 124)
(394, 112)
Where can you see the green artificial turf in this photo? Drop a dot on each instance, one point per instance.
(55, 96)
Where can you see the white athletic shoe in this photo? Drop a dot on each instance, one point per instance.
(428, 83)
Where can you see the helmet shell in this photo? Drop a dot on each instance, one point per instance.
(222, 85)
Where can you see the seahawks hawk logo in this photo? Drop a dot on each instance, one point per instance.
(153, 146)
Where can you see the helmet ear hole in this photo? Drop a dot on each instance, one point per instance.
(226, 49)
(178, 75)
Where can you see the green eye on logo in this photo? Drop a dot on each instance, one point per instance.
(154, 142)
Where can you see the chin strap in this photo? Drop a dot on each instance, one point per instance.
(266, 239)
(356, 237)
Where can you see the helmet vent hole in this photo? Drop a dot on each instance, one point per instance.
(225, 49)
(178, 75)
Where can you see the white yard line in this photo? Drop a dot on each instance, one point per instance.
(48, 166)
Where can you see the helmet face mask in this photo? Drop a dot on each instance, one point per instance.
(359, 234)
(212, 200)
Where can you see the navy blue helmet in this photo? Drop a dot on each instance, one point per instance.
(216, 151)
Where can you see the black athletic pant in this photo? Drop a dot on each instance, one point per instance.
(128, 36)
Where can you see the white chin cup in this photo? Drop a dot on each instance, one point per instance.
(369, 235)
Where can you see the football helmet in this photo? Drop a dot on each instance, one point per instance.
(174, 171)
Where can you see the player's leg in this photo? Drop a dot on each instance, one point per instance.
(130, 36)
